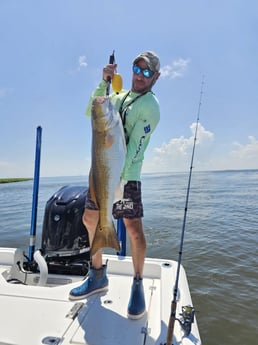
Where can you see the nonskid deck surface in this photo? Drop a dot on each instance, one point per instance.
(104, 319)
(34, 315)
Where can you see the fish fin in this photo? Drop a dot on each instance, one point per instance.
(105, 237)
(109, 140)
(92, 190)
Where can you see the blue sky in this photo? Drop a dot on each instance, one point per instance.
(52, 54)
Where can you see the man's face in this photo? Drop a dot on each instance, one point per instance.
(141, 84)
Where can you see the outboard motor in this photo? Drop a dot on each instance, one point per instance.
(65, 243)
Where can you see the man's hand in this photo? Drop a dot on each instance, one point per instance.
(109, 71)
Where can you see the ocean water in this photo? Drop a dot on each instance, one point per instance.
(220, 250)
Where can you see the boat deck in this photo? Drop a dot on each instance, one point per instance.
(33, 315)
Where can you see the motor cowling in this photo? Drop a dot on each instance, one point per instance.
(65, 239)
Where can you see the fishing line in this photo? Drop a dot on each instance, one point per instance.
(174, 301)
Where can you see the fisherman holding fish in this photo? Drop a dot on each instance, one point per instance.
(140, 114)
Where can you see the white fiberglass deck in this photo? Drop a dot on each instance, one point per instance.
(33, 315)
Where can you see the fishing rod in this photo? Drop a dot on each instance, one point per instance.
(111, 62)
(117, 84)
(117, 81)
(187, 311)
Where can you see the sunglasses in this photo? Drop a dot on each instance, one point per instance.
(147, 73)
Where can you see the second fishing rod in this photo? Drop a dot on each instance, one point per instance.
(187, 311)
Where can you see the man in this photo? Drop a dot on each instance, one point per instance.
(139, 110)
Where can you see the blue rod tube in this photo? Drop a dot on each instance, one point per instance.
(121, 234)
(35, 195)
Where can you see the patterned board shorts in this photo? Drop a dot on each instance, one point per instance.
(129, 207)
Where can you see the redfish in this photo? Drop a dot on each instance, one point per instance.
(108, 157)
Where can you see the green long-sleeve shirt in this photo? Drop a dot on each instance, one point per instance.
(142, 117)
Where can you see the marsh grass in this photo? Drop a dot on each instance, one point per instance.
(15, 179)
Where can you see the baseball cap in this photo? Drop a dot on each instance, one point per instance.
(151, 59)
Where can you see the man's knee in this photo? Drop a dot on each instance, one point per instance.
(134, 227)
(90, 219)
(84, 218)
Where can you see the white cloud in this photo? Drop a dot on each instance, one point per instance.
(249, 150)
(236, 156)
(175, 155)
(245, 156)
(176, 69)
(82, 62)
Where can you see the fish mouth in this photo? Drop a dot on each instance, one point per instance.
(100, 99)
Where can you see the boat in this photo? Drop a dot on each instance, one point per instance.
(34, 288)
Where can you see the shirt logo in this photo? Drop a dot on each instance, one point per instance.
(147, 129)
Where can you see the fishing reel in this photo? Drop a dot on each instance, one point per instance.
(187, 318)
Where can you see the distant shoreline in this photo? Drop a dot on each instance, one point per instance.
(15, 179)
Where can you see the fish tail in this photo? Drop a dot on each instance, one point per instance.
(105, 237)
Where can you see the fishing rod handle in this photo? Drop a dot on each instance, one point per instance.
(111, 62)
